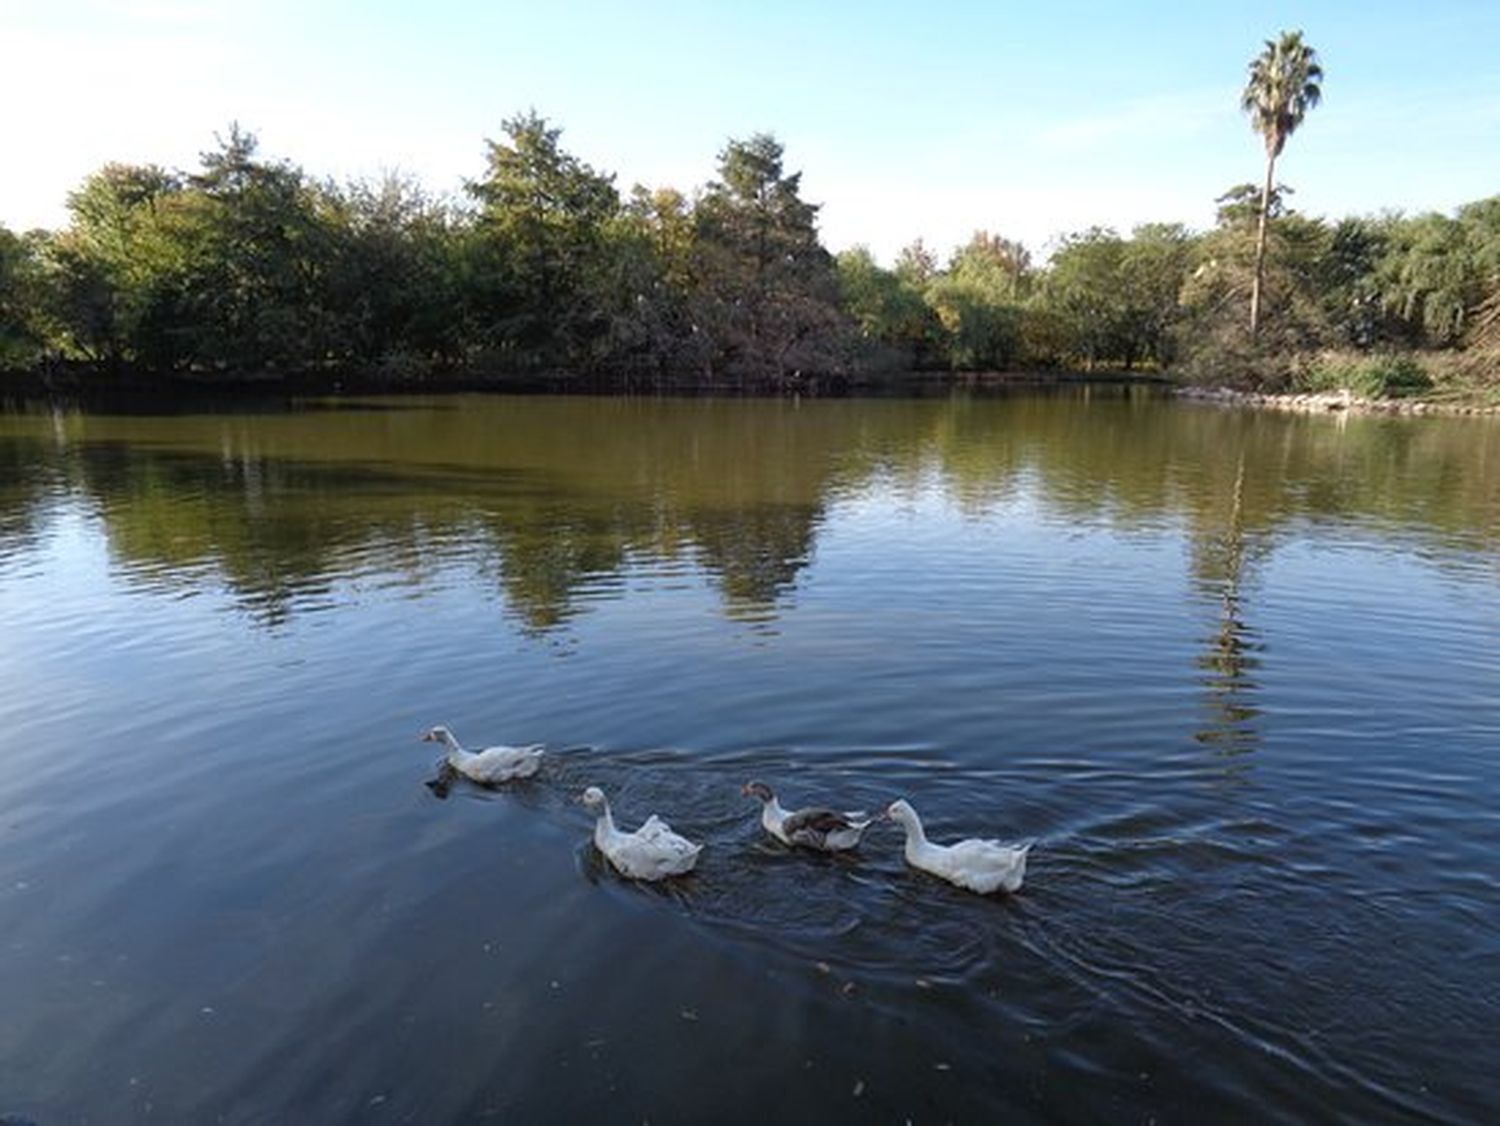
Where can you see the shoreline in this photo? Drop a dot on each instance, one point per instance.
(231, 386)
(240, 387)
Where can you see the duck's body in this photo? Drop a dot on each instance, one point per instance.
(652, 852)
(826, 830)
(981, 866)
(491, 765)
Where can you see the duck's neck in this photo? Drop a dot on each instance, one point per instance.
(772, 815)
(915, 836)
(604, 828)
(455, 748)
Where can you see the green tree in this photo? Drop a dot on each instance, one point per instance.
(21, 333)
(1240, 206)
(1153, 267)
(1212, 336)
(1348, 281)
(1437, 271)
(1285, 82)
(1482, 220)
(999, 265)
(393, 279)
(1083, 289)
(110, 268)
(539, 236)
(257, 248)
(889, 311)
(642, 287)
(916, 264)
(978, 301)
(765, 288)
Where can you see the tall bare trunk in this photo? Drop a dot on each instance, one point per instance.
(1260, 246)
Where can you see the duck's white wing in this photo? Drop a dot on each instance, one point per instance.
(842, 840)
(655, 830)
(653, 826)
(987, 866)
(499, 763)
(506, 751)
(651, 856)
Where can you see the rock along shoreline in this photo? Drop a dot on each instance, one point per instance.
(1326, 402)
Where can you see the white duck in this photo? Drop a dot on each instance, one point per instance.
(652, 852)
(982, 866)
(826, 830)
(491, 765)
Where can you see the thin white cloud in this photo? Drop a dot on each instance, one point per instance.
(1177, 116)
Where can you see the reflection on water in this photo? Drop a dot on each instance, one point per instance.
(555, 499)
(234, 887)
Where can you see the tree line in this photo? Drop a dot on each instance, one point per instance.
(248, 265)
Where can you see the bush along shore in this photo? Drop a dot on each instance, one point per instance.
(1386, 383)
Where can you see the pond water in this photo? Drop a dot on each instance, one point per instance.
(1237, 673)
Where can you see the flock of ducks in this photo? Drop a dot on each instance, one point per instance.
(655, 852)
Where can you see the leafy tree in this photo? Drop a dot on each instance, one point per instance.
(1285, 82)
(916, 264)
(889, 311)
(1437, 270)
(111, 267)
(1222, 276)
(1481, 222)
(1083, 289)
(21, 333)
(766, 292)
(1347, 280)
(393, 280)
(257, 257)
(1153, 267)
(1240, 206)
(1212, 340)
(642, 287)
(996, 264)
(978, 301)
(538, 238)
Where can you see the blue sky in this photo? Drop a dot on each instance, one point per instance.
(906, 119)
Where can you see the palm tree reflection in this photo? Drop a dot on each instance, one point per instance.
(1230, 657)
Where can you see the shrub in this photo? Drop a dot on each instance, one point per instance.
(1226, 357)
(1385, 376)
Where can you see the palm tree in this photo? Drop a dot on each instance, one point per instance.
(1283, 86)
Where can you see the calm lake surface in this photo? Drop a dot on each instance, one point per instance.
(1238, 674)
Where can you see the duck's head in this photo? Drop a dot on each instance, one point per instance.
(901, 812)
(593, 797)
(437, 734)
(757, 790)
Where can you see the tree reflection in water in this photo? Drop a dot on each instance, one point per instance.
(557, 502)
(1230, 657)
